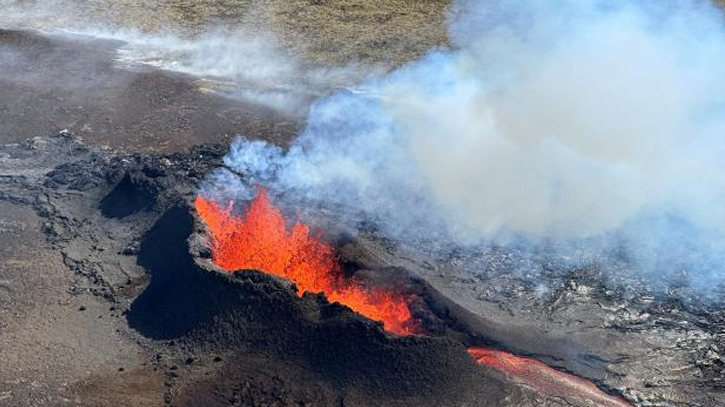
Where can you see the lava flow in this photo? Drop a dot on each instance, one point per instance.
(543, 378)
(260, 240)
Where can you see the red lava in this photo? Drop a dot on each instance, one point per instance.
(261, 240)
(545, 379)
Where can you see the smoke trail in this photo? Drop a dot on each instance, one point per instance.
(241, 62)
(594, 124)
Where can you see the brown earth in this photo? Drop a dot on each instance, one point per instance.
(49, 85)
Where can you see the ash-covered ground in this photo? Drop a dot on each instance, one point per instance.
(52, 83)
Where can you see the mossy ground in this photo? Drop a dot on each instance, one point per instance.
(383, 33)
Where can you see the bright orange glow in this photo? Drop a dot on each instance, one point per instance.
(260, 240)
(543, 378)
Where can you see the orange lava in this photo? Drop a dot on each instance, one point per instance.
(545, 379)
(260, 240)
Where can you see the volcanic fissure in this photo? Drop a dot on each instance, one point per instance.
(259, 238)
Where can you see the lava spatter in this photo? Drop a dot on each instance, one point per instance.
(259, 239)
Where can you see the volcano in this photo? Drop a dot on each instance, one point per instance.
(259, 239)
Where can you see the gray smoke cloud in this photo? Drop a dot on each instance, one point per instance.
(592, 124)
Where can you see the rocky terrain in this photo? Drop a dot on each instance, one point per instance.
(104, 299)
(121, 311)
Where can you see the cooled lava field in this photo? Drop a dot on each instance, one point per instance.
(178, 233)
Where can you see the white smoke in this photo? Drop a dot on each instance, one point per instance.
(242, 64)
(587, 122)
(238, 61)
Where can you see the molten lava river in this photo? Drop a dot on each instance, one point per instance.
(260, 239)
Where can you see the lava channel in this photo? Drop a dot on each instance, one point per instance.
(544, 378)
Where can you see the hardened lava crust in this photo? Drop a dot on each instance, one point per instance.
(129, 309)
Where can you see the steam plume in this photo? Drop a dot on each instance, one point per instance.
(595, 124)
